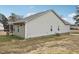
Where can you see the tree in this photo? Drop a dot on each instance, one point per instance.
(14, 17)
(4, 21)
(77, 16)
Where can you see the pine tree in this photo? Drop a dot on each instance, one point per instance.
(77, 16)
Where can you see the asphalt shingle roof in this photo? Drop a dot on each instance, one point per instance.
(32, 17)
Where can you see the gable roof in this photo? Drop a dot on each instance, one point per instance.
(34, 16)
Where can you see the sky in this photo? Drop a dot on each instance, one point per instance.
(65, 11)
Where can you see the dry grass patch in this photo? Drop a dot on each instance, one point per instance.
(51, 44)
(12, 44)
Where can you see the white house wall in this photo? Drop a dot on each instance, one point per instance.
(42, 25)
(26, 35)
(21, 32)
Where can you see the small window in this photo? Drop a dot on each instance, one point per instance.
(18, 29)
(58, 28)
(51, 28)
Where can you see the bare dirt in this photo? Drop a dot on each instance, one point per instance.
(64, 44)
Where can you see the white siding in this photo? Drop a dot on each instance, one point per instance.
(42, 25)
(26, 35)
(1, 26)
(21, 32)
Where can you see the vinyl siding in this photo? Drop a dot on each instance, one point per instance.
(42, 25)
(21, 32)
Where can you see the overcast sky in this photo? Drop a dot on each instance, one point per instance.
(65, 11)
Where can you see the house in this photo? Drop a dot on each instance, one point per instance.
(74, 27)
(1, 27)
(2, 32)
(13, 18)
(40, 24)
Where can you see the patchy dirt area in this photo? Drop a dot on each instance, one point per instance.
(63, 44)
(68, 45)
(2, 33)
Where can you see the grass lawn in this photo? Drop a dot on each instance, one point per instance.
(60, 44)
(9, 38)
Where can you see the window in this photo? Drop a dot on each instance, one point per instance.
(18, 29)
(51, 28)
(58, 28)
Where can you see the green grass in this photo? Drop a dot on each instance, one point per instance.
(75, 32)
(9, 38)
(44, 38)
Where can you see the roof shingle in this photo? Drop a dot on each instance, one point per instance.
(32, 17)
